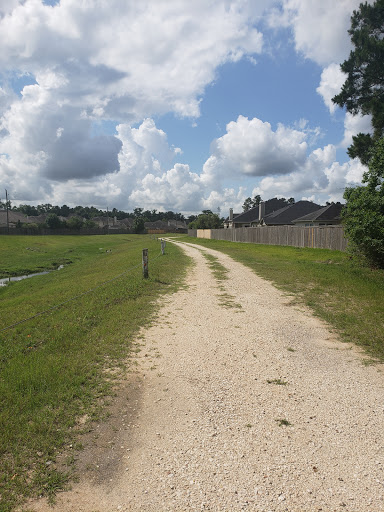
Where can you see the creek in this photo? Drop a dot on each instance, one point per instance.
(4, 281)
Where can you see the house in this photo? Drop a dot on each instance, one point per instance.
(14, 218)
(107, 221)
(127, 223)
(330, 215)
(166, 226)
(254, 216)
(178, 225)
(228, 223)
(158, 225)
(284, 216)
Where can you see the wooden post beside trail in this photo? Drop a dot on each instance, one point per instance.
(145, 263)
(162, 246)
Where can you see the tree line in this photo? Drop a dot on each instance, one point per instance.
(82, 216)
(363, 93)
(89, 212)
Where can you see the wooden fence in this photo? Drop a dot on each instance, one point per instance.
(318, 237)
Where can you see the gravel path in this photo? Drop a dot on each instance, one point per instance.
(240, 401)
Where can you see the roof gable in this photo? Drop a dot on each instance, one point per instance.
(291, 212)
(249, 216)
(329, 213)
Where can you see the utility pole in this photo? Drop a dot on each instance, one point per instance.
(6, 206)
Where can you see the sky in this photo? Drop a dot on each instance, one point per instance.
(174, 105)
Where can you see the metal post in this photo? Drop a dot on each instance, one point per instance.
(145, 263)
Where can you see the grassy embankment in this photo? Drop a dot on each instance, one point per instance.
(52, 368)
(348, 296)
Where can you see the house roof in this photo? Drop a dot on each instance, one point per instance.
(127, 221)
(14, 217)
(247, 216)
(252, 214)
(289, 213)
(157, 224)
(329, 213)
(234, 215)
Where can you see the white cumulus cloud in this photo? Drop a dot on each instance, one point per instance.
(319, 28)
(250, 147)
(332, 80)
(354, 125)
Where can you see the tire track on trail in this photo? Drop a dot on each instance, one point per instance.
(248, 403)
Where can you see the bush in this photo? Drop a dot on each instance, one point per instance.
(364, 211)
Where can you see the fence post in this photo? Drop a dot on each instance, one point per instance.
(145, 263)
(162, 246)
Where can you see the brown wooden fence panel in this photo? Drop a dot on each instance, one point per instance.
(317, 237)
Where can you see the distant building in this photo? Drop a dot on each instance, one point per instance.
(284, 216)
(328, 216)
(270, 213)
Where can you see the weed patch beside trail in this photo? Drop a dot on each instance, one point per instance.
(349, 297)
(52, 368)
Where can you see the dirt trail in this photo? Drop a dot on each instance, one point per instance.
(241, 401)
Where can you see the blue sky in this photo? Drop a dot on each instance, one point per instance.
(174, 105)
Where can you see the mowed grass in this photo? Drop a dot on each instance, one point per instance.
(53, 367)
(348, 296)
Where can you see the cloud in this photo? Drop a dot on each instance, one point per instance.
(58, 139)
(145, 150)
(177, 188)
(320, 179)
(126, 62)
(332, 80)
(116, 61)
(120, 65)
(250, 147)
(88, 157)
(354, 125)
(319, 28)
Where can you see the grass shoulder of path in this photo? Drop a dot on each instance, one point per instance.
(53, 367)
(348, 296)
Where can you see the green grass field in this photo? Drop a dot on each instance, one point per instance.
(52, 367)
(348, 296)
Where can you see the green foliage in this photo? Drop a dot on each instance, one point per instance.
(89, 212)
(206, 220)
(363, 90)
(90, 224)
(53, 221)
(74, 223)
(364, 211)
(138, 226)
(273, 204)
(251, 203)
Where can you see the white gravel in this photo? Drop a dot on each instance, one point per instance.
(202, 430)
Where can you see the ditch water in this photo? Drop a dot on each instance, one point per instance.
(6, 280)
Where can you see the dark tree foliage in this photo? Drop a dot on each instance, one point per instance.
(74, 223)
(364, 211)
(27, 209)
(207, 220)
(138, 225)
(53, 221)
(251, 203)
(89, 212)
(363, 90)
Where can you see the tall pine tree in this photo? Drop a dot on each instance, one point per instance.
(363, 90)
